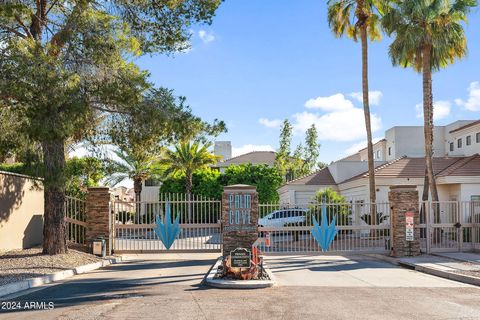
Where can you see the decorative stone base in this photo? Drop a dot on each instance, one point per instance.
(238, 284)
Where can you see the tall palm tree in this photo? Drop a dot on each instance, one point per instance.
(132, 166)
(428, 35)
(186, 158)
(359, 19)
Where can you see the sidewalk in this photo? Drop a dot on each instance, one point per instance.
(458, 266)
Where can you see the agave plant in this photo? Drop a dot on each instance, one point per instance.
(324, 233)
(167, 230)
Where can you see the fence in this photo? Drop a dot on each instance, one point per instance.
(362, 227)
(134, 223)
(76, 220)
(450, 226)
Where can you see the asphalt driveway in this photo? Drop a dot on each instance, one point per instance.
(309, 288)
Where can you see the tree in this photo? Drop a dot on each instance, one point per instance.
(186, 158)
(283, 153)
(66, 64)
(358, 18)
(428, 35)
(210, 183)
(82, 173)
(335, 205)
(133, 166)
(205, 182)
(266, 179)
(312, 149)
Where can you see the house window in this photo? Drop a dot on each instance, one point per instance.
(378, 154)
(478, 137)
(451, 146)
(459, 143)
(468, 140)
(389, 151)
(152, 183)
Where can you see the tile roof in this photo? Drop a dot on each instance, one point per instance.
(254, 157)
(406, 167)
(467, 167)
(321, 177)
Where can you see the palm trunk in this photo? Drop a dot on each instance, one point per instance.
(366, 111)
(428, 120)
(137, 189)
(54, 235)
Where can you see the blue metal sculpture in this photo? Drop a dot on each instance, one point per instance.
(324, 233)
(167, 230)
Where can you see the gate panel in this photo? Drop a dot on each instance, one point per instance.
(289, 226)
(134, 224)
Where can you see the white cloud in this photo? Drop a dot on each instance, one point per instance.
(374, 97)
(270, 123)
(473, 101)
(335, 102)
(206, 36)
(441, 110)
(359, 146)
(344, 125)
(249, 148)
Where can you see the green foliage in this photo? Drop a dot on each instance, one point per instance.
(345, 18)
(82, 173)
(335, 205)
(210, 183)
(266, 179)
(312, 149)
(205, 182)
(187, 158)
(436, 25)
(303, 160)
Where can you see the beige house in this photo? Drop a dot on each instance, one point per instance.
(399, 160)
(254, 157)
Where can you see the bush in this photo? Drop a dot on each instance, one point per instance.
(209, 183)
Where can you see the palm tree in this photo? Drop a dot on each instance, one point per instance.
(186, 158)
(428, 35)
(358, 18)
(132, 166)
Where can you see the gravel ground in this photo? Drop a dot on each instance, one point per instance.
(18, 265)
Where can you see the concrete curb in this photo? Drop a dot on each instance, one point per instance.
(238, 284)
(54, 277)
(454, 258)
(443, 274)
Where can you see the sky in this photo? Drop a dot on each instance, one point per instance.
(261, 62)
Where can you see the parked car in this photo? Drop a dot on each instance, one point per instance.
(283, 217)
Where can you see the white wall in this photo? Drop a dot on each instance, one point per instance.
(465, 150)
(344, 170)
(409, 141)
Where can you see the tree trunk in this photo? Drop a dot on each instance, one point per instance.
(54, 235)
(137, 189)
(428, 120)
(366, 111)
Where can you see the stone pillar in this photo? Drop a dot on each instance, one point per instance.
(98, 216)
(239, 217)
(404, 202)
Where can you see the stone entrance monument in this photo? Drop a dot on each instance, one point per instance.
(239, 218)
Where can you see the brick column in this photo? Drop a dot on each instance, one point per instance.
(239, 217)
(98, 216)
(404, 199)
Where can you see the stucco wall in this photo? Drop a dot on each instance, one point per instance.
(21, 211)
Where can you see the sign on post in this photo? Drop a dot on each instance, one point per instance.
(240, 258)
(409, 226)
